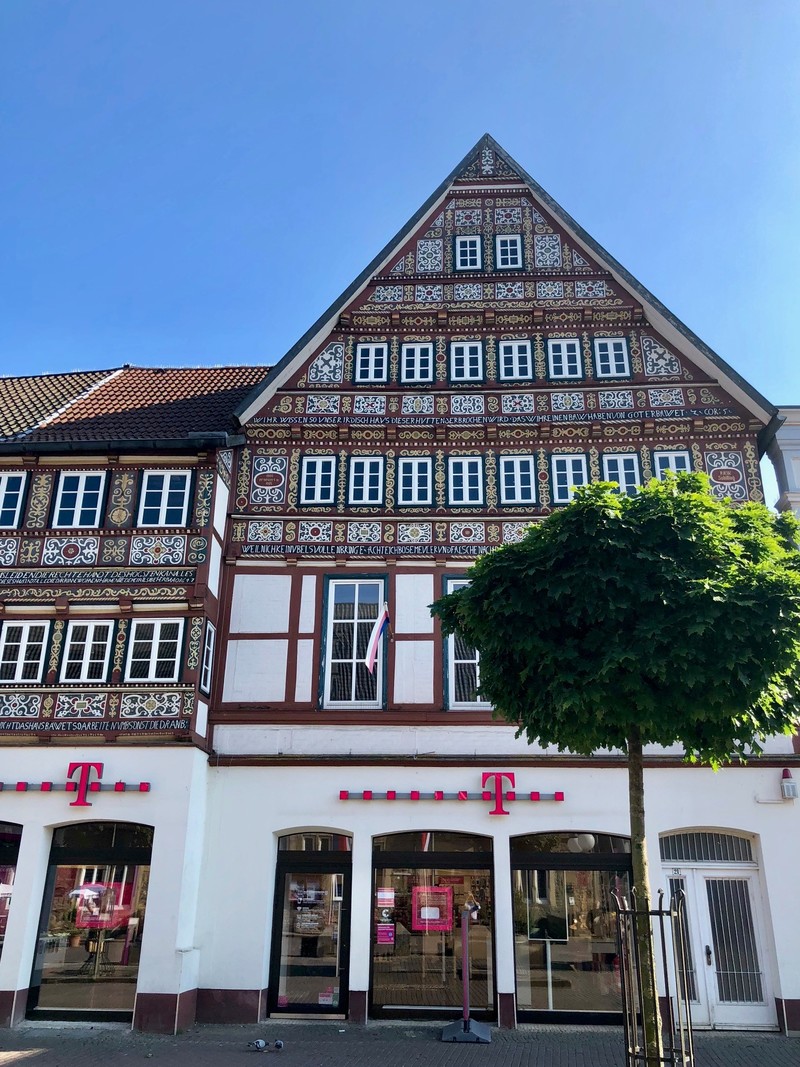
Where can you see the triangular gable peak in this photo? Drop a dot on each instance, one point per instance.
(534, 274)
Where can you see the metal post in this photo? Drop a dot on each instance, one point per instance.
(466, 1029)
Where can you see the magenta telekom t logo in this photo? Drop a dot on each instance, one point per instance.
(83, 784)
(498, 789)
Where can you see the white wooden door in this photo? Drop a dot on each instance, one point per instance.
(729, 985)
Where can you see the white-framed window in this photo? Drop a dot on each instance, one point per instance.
(677, 462)
(353, 608)
(611, 357)
(12, 491)
(207, 661)
(78, 501)
(465, 481)
(318, 480)
(466, 361)
(463, 667)
(515, 360)
(372, 363)
(154, 650)
(165, 498)
(564, 358)
(365, 485)
(508, 251)
(416, 363)
(415, 481)
(22, 649)
(469, 254)
(624, 470)
(517, 479)
(87, 651)
(568, 473)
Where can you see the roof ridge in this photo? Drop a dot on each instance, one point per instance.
(57, 374)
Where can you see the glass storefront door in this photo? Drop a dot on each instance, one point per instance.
(310, 943)
(10, 835)
(565, 948)
(420, 886)
(93, 916)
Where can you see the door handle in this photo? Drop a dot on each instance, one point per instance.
(708, 955)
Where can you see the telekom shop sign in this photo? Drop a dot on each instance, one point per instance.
(82, 779)
(496, 794)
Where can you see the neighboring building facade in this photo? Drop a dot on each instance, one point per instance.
(784, 451)
(187, 614)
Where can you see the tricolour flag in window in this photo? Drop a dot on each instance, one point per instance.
(381, 624)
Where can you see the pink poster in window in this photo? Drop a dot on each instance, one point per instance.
(432, 908)
(102, 905)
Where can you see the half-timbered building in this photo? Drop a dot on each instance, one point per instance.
(243, 774)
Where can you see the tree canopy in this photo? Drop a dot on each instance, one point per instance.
(670, 612)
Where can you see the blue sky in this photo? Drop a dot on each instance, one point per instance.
(194, 181)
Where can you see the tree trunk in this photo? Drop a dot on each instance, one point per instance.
(651, 1014)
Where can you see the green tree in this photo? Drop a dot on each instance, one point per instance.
(661, 618)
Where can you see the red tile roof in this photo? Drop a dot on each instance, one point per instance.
(24, 402)
(143, 404)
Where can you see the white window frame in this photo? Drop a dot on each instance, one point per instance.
(630, 482)
(81, 492)
(207, 660)
(367, 462)
(671, 459)
(453, 472)
(463, 244)
(416, 464)
(5, 491)
(573, 463)
(164, 505)
(84, 659)
(157, 624)
(469, 358)
(317, 497)
(25, 640)
(565, 357)
(619, 364)
(367, 705)
(451, 584)
(514, 464)
(373, 353)
(521, 350)
(411, 355)
(498, 255)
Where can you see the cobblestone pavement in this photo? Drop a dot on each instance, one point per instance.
(330, 1044)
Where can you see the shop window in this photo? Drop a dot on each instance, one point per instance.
(12, 491)
(87, 652)
(517, 479)
(315, 841)
(415, 481)
(569, 472)
(371, 363)
(318, 480)
(624, 470)
(22, 650)
(353, 609)
(78, 501)
(463, 667)
(676, 462)
(154, 651)
(416, 363)
(366, 480)
(515, 360)
(564, 358)
(611, 357)
(10, 835)
(165, 498)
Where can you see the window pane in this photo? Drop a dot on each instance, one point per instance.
(466, 682)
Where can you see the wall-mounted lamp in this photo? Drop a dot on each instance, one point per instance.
(788, 785)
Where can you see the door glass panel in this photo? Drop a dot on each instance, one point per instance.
(565, 941)
(733, 937)
(686, 964)
(416, 938)
(310, 976)
(88, 953)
